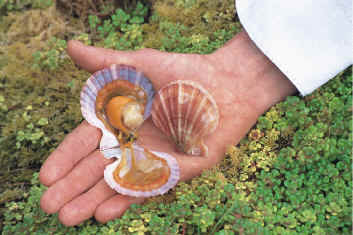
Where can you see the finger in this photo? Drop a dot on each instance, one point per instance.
(84, 206)
(86, 174)
(75, 146)
(115, 207)
(160, 67)
(94, 58)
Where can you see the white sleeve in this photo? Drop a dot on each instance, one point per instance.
(309, 41)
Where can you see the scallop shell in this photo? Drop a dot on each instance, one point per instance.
(102, 79)
(143, 173)
(186, 112)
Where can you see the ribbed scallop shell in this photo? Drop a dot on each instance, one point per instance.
(159, 186)
(186, 113)
(90, 91)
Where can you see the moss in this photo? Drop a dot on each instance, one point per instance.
(13, 5)
(32, 96)
(35, 25)
(33, 100)
(201, 16)
(190, 26)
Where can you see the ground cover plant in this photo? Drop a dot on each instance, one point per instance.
(290, 175)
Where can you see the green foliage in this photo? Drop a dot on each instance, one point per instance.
(52, 57)
(32, 134)
(122, 31)
(173, 39)
(194, 211)
(81, 10)
(27, 217)
(305, 187)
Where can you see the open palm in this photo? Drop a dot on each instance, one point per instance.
(235, 76)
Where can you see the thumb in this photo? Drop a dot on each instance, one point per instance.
(93, 58)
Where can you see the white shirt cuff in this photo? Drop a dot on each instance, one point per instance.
(309, 41)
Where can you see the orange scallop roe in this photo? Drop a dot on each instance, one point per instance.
(145, 174)
(114, 110)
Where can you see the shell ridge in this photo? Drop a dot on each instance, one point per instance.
(86, 105)
(103, 77)
(167, 115)
(131, 76)
(107, 75)
(98, 80)
(189, 131)
(190, 105)
(202, 103)
(95, 80)
(88, 93)
(173, 108)
(91, 86)
(179, 103)
(201, 130)
(138, 78)
(113, 69)
(123, 72)
(171, 111)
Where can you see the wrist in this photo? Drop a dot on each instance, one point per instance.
(256, 78)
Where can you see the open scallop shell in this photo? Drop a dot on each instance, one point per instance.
(136, 172)
(186, 113)
(99, 81)
(142, 173)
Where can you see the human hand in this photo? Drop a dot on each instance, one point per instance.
(241, 79)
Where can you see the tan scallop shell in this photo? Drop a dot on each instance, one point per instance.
(186, 112)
